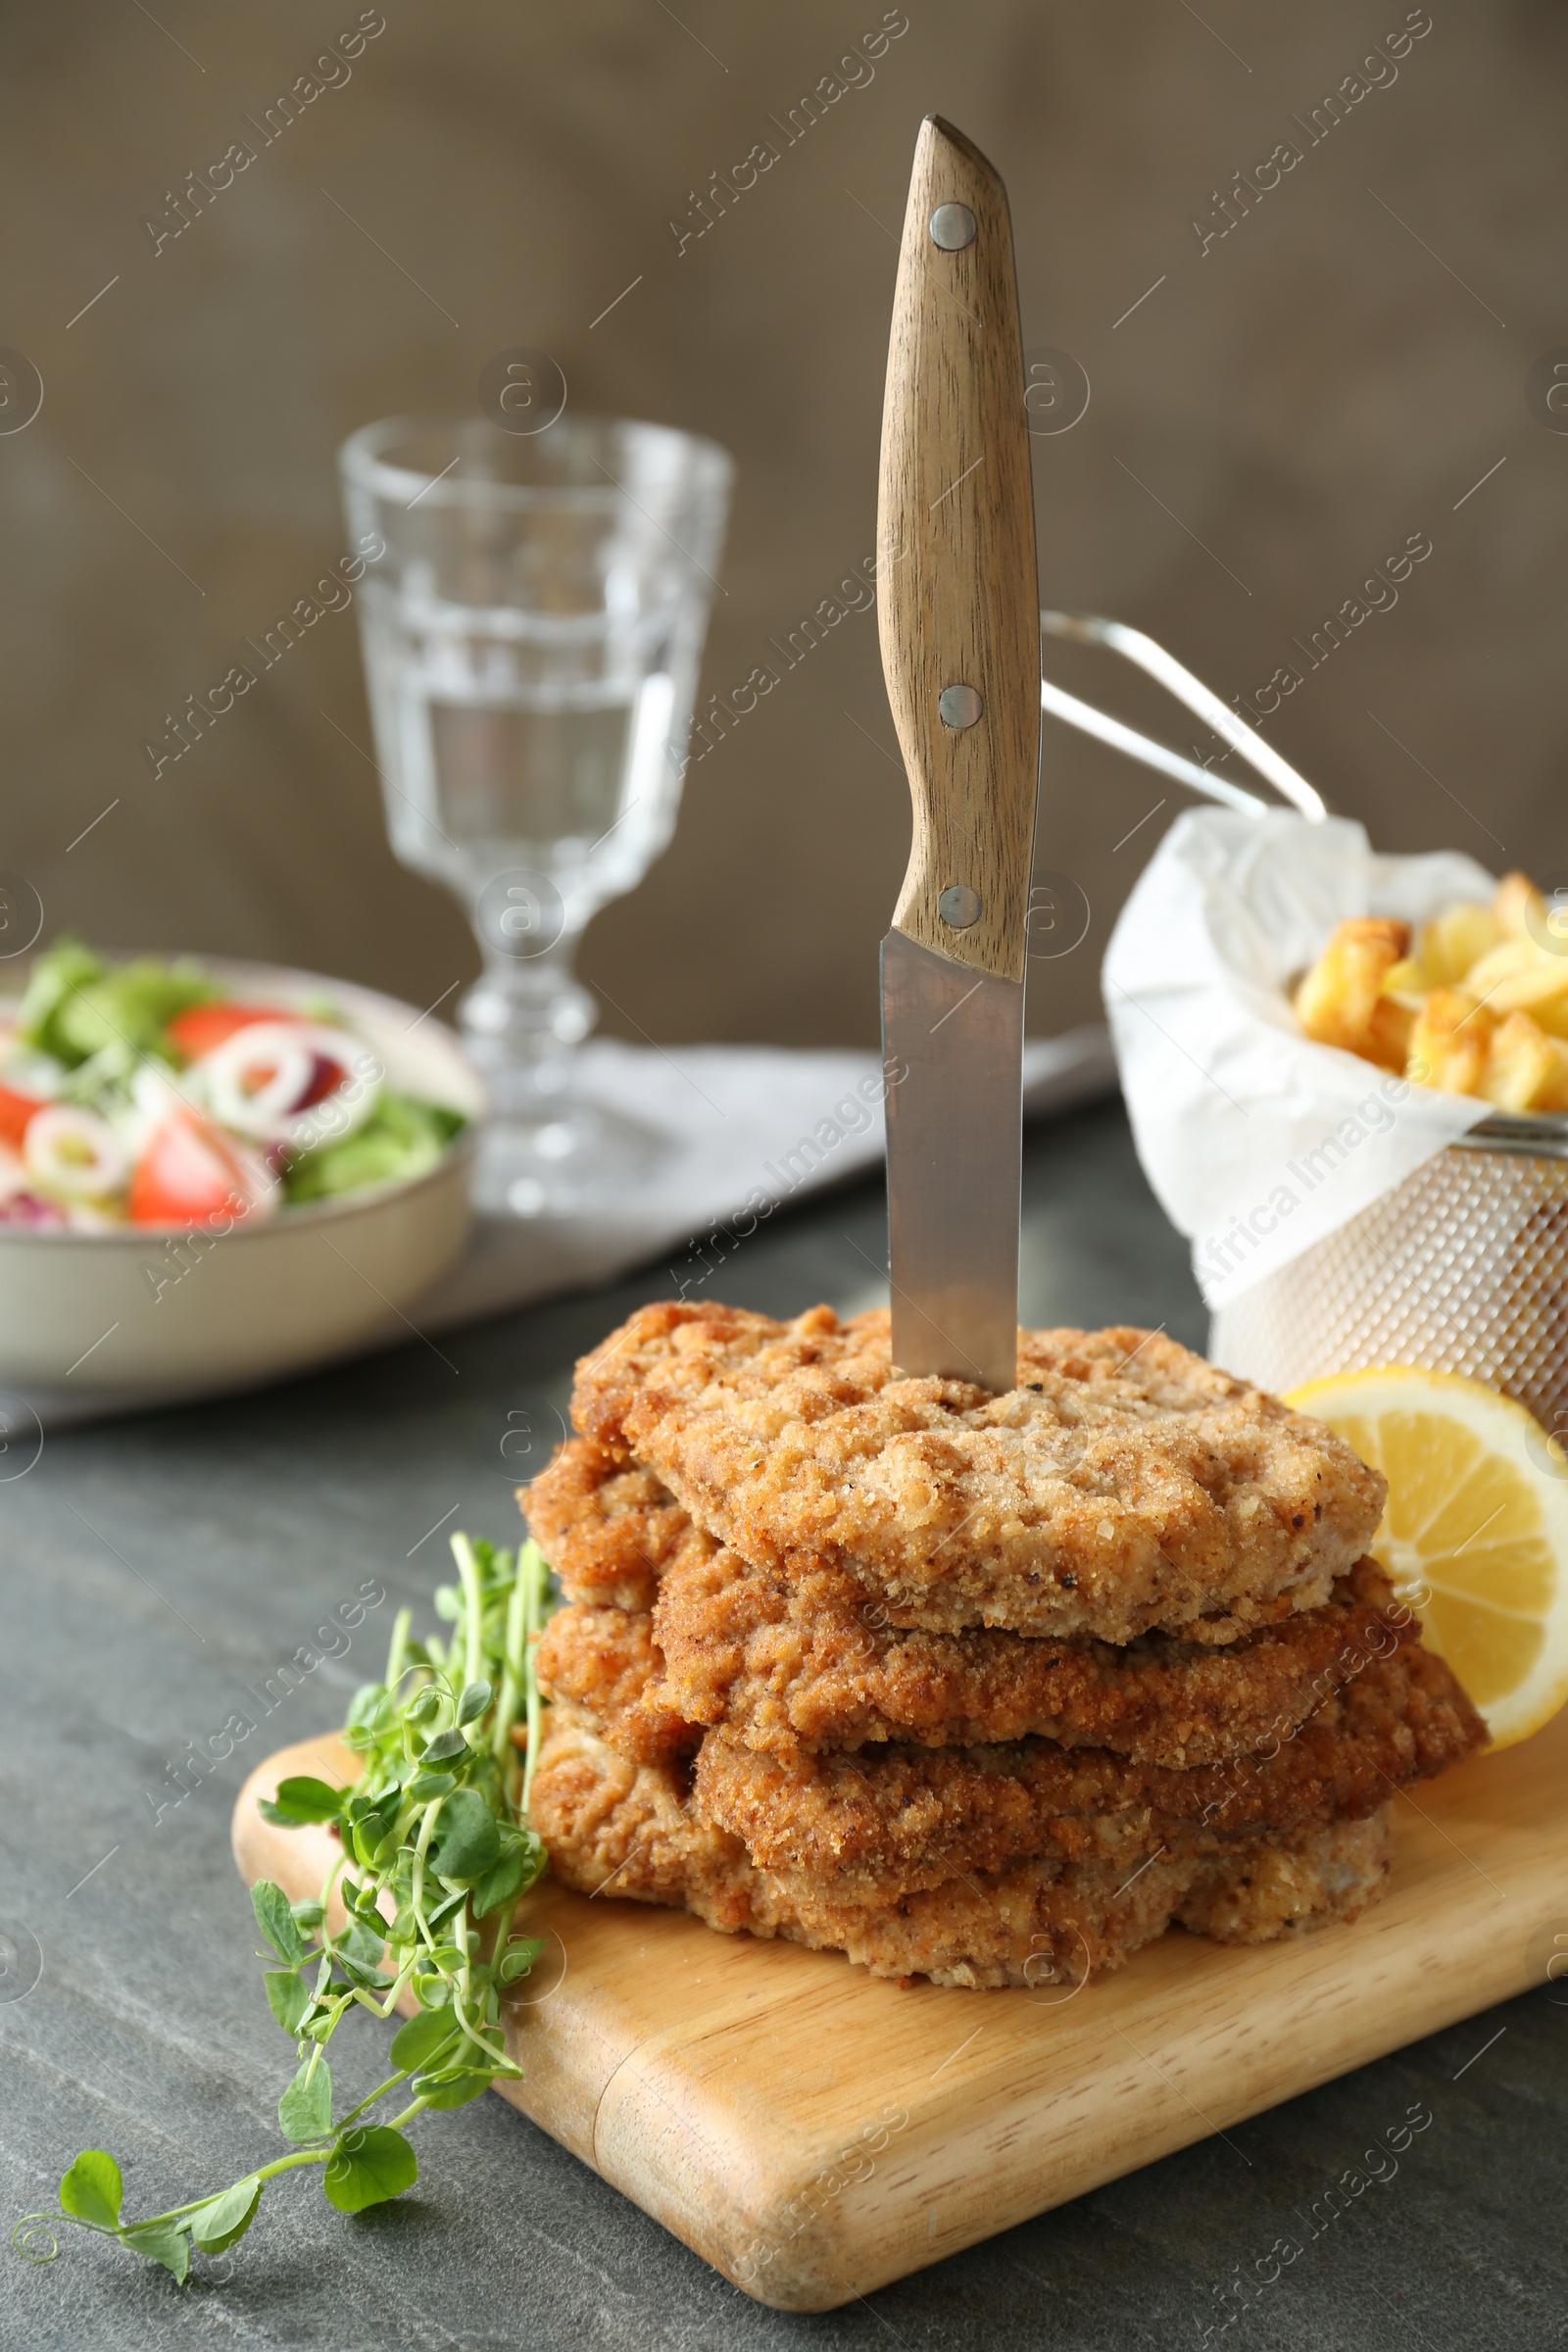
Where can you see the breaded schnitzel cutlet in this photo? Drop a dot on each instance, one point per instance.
(609, 1531)
(785, 1663)
(607, 1662)
(810, 1661)
(1124, 1483)
(986, 1688)
(618, 1829)
(892, 1819)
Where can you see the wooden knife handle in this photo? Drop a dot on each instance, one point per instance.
(956, 599)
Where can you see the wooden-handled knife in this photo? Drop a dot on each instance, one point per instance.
(957, 613)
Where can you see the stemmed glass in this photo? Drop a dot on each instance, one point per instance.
(531, 635)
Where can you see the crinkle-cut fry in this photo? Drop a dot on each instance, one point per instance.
(1525, 1068)
(1337, 1001)
(1456, 940)
(1519, 907)
(1448, 1042)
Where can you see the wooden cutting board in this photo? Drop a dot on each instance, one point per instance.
(815, 2132)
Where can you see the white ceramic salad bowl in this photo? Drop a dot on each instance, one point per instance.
(165, 1307)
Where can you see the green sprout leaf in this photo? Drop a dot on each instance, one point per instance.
(476, 1696)
(447, 1747)
(370, 1709)
(499, 1886)
(370, 2166)
(360, 1904)
(519, 1958)
(276, 1921)
(416, 2043)
(301, 1801)
(92, 2190)
(522, 1859)
(227, 2218)
(457, 2090)
(305, 2111)
(286, 1997)
(373, 1980)
(363, 1944)
(161, 2241)
(467, 1841)
(372, 1838)
(426, 1787)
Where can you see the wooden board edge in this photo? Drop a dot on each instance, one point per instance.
(816, 2227)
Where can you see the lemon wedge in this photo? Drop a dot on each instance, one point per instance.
(1475, 1531)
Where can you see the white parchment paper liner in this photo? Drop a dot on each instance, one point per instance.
(1257, 1142)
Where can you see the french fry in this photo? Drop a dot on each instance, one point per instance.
(1337, 1001)
(1409, 980)
(1542, 991)
(1525, 1068)
(1519, 907)
(1479, 1007)
(1502, 963)
(1389, 1037)
(1551, 1015)
(1456, 940)
(1448, 1042)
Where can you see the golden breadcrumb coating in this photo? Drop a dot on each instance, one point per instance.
(608, 1531)
(786, 1662)
(608, 1660)
(1124, 1483)
(810, 1660)
(1289, 1886)
(614, 1827)
(887, 1820)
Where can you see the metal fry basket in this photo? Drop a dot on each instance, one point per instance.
(1463, 1267)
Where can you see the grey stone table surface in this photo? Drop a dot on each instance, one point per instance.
(155, 1568)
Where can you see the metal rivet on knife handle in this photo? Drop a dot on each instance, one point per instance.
(959, 906)
(953, 227)
(959, 706)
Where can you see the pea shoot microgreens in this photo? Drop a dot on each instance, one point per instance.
(436, 1858)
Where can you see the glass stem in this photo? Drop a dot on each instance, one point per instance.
(522, 1020)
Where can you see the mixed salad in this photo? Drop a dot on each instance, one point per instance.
(147, 1094)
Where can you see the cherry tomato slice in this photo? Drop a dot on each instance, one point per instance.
(200, 1027)
(15, 1112)
(186, 1176)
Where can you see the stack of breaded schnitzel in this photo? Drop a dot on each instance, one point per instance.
(988, 1689)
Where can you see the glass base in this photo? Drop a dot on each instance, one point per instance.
(579, 1161)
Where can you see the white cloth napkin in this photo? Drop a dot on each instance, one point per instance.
(1256, 1141)
(748, 1129)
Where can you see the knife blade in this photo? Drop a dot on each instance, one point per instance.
(958, 618)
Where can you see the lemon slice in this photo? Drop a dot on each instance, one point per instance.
(1475, 1531)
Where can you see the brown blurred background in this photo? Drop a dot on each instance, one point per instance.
(1280, 413)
